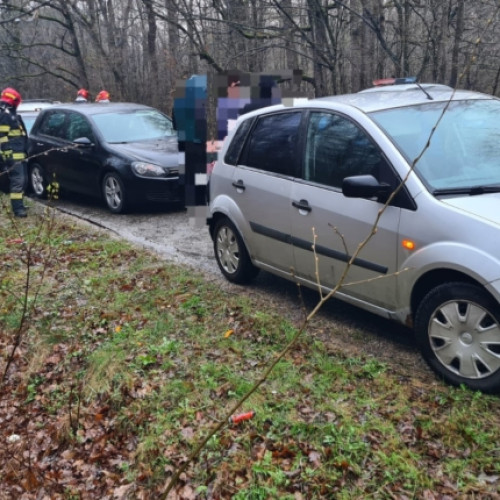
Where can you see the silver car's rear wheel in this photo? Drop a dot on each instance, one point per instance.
(231, 253)
(114, 193)
(458, 329)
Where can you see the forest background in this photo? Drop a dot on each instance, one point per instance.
(138, 50)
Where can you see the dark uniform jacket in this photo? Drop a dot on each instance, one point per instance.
(13, 144)
(13, 136)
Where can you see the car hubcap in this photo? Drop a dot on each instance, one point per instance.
(113, 193)
(465, 338)
(227, 250)
(37, 181)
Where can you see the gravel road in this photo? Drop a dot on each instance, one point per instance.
(176, 237)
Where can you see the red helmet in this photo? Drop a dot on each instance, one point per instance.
(11, 96)
(83, 93)
(103, 95)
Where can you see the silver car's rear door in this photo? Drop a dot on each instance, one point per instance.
(264, 198)
(262, 184)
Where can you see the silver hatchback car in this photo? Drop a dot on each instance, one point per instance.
(402, 186)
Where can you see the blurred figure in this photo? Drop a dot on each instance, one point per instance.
(102, 96)
(13, 142)
(82, 95)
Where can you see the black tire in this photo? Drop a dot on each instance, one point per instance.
(457, 326)
(113, 193)
(37, 181)
(231, 253)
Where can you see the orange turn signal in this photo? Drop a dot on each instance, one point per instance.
(408, 244)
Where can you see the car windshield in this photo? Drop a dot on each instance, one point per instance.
(463, 154)
(134, 125)
(28, 122)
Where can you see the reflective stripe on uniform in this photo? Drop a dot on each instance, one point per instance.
(16, 196)
(4, 139)
(15, 132)
(19, 156)
(4, 128)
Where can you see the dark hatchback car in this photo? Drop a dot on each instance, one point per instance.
(124, 153)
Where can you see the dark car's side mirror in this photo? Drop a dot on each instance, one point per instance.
(84, 142)
(365, 186)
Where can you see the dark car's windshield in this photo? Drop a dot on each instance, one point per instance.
(464, 150)
(134, 125)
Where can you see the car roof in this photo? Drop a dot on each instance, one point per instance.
(93, 108)
(35, 105)
(375, 101)
(407, 86)
(399, 96)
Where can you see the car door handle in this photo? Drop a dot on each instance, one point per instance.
(239, 184)
(302, 205)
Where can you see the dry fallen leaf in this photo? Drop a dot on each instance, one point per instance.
(315, 458)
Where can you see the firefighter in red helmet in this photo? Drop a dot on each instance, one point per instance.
(13, 143)
(82, 95)
(102, 96)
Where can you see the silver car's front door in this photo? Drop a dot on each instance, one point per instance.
(329, 233)
(328, 229)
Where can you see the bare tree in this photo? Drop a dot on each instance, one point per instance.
(138, 49)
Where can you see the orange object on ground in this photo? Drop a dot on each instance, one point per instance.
(236, 419)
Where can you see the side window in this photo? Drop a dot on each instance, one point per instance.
(78, 127)
(337, 148)
(53, 124)
(273, 143)
(237, 143)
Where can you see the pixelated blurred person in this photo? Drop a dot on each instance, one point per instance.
(189, 117)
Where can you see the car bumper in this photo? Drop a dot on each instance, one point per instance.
(155, 190)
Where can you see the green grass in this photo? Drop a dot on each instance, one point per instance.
(141, 346)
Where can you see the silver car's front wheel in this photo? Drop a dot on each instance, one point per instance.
(231, 253)
(458, 329)
(114, 193)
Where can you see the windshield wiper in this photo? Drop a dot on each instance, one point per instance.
(471, 191)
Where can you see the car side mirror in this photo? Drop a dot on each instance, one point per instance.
(365, 186)
(84, 142)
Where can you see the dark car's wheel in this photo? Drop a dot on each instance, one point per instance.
(458, 329)
(114, 193)
(231, 253)
(38, 181)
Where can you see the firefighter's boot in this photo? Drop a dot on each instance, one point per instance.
(18, 208)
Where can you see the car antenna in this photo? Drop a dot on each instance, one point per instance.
(424, 91)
